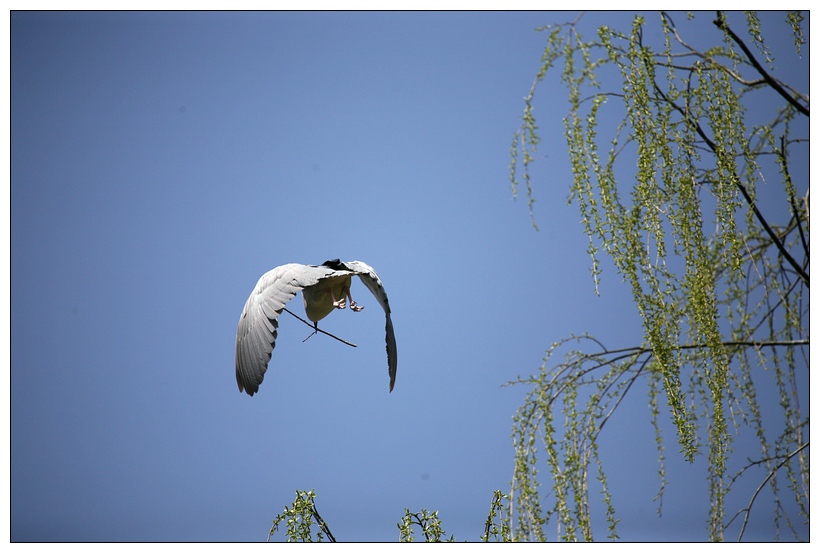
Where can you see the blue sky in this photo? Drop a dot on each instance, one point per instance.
(162, 162)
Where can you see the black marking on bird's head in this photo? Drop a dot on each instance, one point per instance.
(334, 264)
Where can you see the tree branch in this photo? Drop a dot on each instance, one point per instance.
(720, 22)
(321, 522)
(750, 343)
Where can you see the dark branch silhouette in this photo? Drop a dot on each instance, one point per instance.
(316, 329)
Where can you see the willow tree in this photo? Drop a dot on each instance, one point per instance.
(672, 196)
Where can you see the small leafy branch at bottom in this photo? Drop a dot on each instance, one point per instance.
(299, 518)
(500, 530)
(301, 514)
(429, 523)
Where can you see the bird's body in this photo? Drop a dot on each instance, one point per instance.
(325, 296)
(324, 288)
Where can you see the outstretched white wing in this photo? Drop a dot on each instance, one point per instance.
(374, 284)
(256, 335)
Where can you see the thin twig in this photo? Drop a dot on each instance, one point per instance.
(790, 188)
(748, 508)
(731, 343)
(710, 59)
(316, 329)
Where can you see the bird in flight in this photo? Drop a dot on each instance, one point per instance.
(324, 288)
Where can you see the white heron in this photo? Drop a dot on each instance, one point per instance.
(324, 288)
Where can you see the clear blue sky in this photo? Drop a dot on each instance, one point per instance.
(162, 162)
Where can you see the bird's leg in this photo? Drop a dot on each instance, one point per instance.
(338, 304)
(353, 305)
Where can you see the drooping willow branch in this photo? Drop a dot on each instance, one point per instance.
(571, 400)
(758, 215)
(713, 147)
(784, 165)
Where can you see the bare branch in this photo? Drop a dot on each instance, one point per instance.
(321, 523)
(748, 509)
(720, 22)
